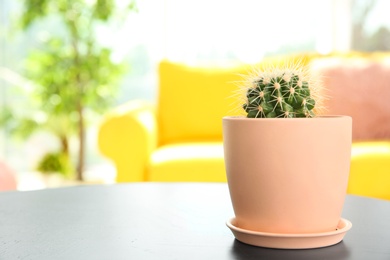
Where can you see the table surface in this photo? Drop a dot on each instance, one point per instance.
(160, 221)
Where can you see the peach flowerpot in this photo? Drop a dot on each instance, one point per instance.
(287, 175)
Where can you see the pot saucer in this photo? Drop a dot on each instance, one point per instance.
(290, 241)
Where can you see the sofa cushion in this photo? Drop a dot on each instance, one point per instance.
(193, 100)
(201, 161)
(370, 169)
(360, 88)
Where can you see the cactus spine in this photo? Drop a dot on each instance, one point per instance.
(280, 93)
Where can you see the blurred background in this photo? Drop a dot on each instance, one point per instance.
(50, 112)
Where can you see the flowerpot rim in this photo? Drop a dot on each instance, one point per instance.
(325, 117)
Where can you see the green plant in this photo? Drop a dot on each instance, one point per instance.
(73, 77)
(55, 163)
(285, 92)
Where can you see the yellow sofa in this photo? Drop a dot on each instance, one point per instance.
(180, 137)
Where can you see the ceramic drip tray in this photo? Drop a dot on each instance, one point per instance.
(290, 241)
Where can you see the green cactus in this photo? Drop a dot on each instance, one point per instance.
(279, 93)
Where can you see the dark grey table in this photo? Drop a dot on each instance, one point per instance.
(160, 221)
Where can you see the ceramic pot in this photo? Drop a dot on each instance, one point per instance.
(287, 175)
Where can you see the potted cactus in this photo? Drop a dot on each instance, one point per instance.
(287, 167)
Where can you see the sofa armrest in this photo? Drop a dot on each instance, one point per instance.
(370, 169)
(127, 136)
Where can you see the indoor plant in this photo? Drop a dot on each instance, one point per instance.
(287, 168)
(72, 76)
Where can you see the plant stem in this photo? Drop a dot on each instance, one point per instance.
(81, 157)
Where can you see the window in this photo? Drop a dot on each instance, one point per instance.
(370, 25)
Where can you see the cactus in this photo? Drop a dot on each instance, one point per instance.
(280, 93)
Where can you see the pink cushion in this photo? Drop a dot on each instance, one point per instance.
(360, 88)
